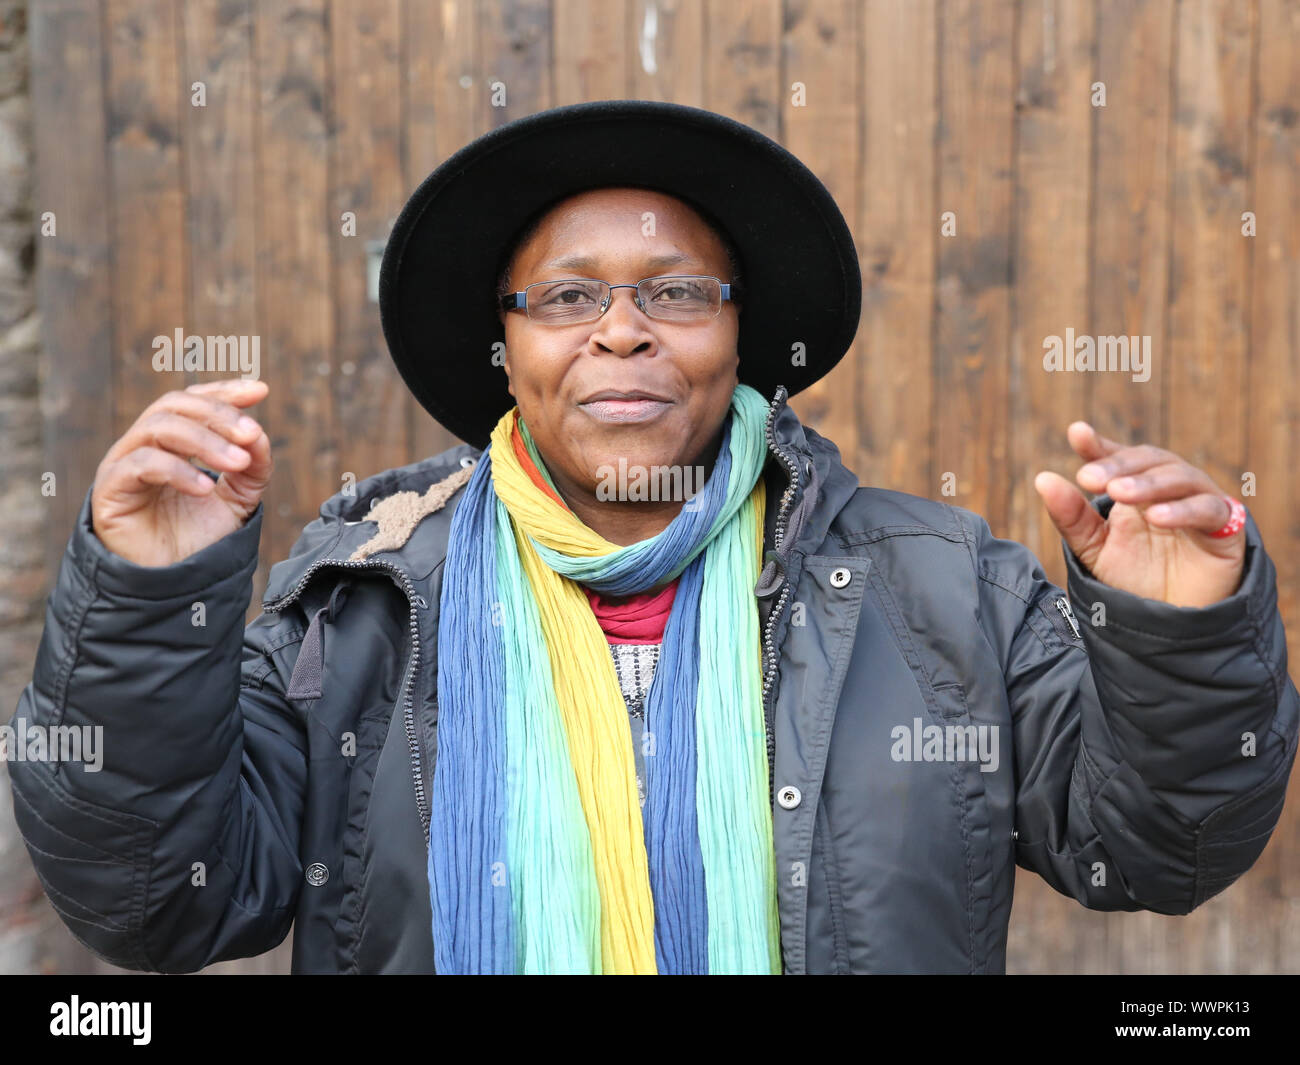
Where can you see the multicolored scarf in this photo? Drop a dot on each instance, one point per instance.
(541, 859)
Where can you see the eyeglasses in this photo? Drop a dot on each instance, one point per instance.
(674, 298)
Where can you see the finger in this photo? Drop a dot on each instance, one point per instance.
(1089, 443)
(1082, 528)
(1171, 481)
(1207, 512)
(151, 467)
(222, 418)
(1095, 475)
(237, 392)
(187, 438)
(244, 487)
(235, 389)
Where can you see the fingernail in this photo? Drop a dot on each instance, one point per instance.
(246, 424)
(1093, 470)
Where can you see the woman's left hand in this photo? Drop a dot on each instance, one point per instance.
(1155, 541)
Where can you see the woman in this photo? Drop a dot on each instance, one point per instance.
(507, 711)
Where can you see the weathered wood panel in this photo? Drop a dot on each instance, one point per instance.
(74, 287)
(1115, 219)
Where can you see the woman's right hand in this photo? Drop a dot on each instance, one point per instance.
(150, 505)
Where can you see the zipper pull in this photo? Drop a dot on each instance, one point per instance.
(1063, 605)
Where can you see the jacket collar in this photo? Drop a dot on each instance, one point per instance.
(823, 485)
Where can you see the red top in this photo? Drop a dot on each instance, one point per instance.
(634, 618)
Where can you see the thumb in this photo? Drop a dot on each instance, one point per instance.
(1078, 521)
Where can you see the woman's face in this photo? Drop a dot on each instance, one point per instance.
(554, 369)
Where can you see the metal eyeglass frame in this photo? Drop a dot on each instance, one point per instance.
(518, 301)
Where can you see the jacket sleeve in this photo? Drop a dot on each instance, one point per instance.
(180, 848)
(1151, 750)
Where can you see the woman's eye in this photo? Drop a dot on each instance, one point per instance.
(677, 293)
(568, 296)
(673, 293)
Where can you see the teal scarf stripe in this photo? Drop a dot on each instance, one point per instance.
(547, 840)
(734, 823)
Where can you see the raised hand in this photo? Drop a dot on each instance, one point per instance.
(1156, 540)
(150, 505)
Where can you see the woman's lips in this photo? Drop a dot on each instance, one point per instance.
(625, 410)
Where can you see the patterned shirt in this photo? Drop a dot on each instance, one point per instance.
(635, 665)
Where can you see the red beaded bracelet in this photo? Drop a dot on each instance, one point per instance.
(1236, 520)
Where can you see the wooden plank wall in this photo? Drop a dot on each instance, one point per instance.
(994, 199)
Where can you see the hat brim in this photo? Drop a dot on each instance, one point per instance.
(801, 282)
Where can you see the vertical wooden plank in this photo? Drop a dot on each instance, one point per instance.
(742, 60)
(1273, 434)
(440, 85)
(219, 170)
(591, 59)
(1053, 138)
(296, 235)
(1209, 268)
(1131, 242)
(976, 184)
(1054, 119)
(369, 395)
(73, 289)
(896, 238)
(148, 208)
(1208, 289)
(217, 101)
(517, 51)
(820, 101)
(667, 50)
(741, 66)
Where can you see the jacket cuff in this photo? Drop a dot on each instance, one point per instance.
(233, 554)
(1139, 624)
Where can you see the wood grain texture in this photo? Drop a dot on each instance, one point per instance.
(74, 290)
(151, 268)
(820, 93)
(440, 85)
(1114, 220)
(973, 286)
(298, 233)
(666, 50)
(897, 234)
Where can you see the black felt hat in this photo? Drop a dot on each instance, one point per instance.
(798, 266)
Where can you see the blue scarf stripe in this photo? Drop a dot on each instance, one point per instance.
(469, 787)
(671, 832)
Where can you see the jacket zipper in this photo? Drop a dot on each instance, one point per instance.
(408, 714)
(778, 538)
(1063, 605)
